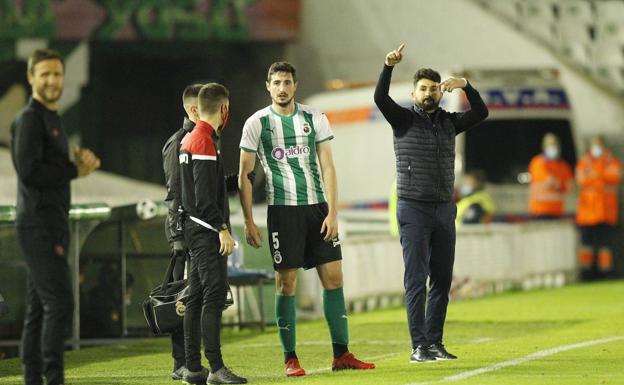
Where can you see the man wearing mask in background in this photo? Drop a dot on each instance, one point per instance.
(475, 205)
(551, 179)
(598, 175)
(40, 154)
(424, 145)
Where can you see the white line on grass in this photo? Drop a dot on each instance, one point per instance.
(522, 360)
(327, 342)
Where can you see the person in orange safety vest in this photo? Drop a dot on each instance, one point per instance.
(598, 175)
(551, 179)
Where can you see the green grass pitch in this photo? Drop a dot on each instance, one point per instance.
(534, 335)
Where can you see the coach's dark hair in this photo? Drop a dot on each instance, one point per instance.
(191, 91)
(210, 97)
(427, 73)
(282, 66)
(43, 54)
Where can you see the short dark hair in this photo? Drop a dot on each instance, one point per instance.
(282, 66)
(427, 73)
(43, 54)
(210, 97)
(191, 91)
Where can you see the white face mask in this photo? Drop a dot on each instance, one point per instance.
(466, 190)
(551, 152)
(596, 150)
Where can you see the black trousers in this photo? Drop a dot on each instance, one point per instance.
(177, 336)
(49, 304)
(207, 293)
(427, 233)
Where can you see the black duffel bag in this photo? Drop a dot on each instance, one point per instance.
(165, 306)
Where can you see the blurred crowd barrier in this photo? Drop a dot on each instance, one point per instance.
(489, 258)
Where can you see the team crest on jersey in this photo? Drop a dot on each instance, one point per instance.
(180, 309)
(277, 257)
(306, 128)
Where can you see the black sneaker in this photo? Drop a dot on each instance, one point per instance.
(439, 352)
(178, 373)
(421, 354)
(225, 376)
(195, 378)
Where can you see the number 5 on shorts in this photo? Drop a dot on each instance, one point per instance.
(275, 240)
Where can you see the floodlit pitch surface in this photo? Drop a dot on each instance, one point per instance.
(573, 335)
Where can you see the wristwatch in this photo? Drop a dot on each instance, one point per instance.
(223, 227)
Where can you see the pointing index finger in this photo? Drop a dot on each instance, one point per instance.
(401, 48)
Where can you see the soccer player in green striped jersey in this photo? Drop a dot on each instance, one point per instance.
(292, 142)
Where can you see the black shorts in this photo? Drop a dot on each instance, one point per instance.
(295, 237)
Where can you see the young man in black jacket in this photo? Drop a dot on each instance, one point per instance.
(173, 222)
(207, 235)
(424, 144)
(174, 228)
(40, 154)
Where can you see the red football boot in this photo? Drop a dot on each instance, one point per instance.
(293, 369)
(348, 361)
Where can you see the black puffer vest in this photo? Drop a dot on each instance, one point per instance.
(425, 157)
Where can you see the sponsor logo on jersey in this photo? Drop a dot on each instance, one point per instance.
(277, 257)
(279, 153)
(183, 158)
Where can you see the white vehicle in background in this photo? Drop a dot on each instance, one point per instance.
(523, 106)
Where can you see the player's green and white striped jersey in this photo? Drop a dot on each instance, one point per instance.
(286, 146)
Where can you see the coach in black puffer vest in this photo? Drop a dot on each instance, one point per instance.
(424, 145)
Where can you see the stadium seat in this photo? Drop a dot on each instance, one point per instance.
(610, 31)
(580, 53)
(506, 8)
(241, 277)
(610, 10)
(608, 54)
(576, 10)
(574, 32)
(541, 10)
(611, 76)
(541, 30)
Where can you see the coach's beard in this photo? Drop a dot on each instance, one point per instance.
(428, 104)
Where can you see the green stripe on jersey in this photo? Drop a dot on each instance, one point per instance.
(313, 165)
(275, 179)
(290, 141)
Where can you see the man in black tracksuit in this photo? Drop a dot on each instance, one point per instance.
(173, 222)
(207, 235)
(174, 228)
(40, 154)
(424, 145)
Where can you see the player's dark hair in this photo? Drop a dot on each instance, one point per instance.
(427, 73)
(43, 54)
(282, 66)
(191, 91)
(210, 98)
